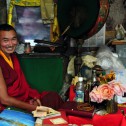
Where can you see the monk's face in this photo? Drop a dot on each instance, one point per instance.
(8, 41)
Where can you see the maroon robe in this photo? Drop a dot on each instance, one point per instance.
(18, 87)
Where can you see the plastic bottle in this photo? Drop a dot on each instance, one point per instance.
(80, 90)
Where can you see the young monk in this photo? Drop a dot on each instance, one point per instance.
(14, 89)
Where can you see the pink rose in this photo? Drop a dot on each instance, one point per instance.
(95, 95)
(117, 87)
(106, 91)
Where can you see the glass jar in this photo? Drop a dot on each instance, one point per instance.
(94, 81)
(112, 105)
(27, 47)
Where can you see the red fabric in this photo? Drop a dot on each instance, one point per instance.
(108, 120)
(79, 120)
(116, 119)
(71, 93)
(20, 86)
(123, 122)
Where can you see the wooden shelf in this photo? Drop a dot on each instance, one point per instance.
(118, 42)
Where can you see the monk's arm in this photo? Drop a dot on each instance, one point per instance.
(7, 100)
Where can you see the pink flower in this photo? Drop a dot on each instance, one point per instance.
(95, 95)
(106, 91)
(117, 87)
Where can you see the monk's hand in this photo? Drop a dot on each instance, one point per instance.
(35, 101)
(38, 101)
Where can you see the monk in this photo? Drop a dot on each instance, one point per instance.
(14, 89)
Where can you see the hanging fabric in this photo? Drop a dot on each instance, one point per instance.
(47, 11)
(55, 31)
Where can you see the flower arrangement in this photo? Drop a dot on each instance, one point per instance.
(107, 89)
